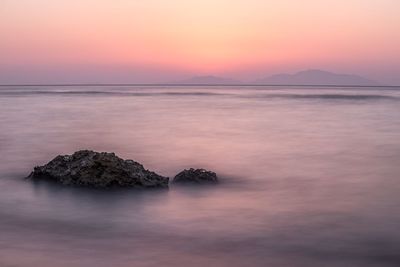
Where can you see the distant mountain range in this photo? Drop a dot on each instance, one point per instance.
(307, 77)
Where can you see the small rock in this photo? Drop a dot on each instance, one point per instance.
(198, 176)
(94, 169)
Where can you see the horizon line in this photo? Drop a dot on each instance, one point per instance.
(195, 84)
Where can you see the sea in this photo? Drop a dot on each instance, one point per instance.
(309, 176)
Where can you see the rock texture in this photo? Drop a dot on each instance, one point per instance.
(197, 176)
(93, 169)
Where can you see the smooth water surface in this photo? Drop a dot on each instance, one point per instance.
(310, 177)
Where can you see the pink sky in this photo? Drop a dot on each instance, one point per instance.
(69, 41)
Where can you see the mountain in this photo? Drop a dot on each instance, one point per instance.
(307, 77)
(204, 80)
(316, 77)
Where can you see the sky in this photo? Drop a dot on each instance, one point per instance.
(145, 41)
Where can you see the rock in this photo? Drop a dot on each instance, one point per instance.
(94, 169)
(198, 176)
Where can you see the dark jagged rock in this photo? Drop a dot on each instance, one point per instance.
(197, 176)
(94, 169)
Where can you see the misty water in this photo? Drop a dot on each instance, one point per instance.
(309, 177)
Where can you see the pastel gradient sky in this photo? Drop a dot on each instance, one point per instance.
(124, 41)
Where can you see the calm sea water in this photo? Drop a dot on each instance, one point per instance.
(310, 177)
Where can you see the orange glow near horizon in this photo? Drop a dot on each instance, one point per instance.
(201, 36)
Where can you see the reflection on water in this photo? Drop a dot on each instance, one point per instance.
(310, 177)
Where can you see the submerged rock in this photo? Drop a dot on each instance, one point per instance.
(198, 176)
(94, 169)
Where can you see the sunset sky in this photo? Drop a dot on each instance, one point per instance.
(124, 41)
